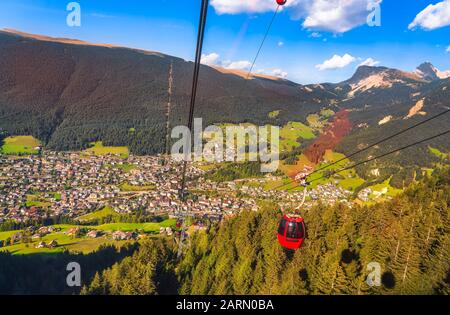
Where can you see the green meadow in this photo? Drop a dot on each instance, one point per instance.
(20, 145)
(98, 215)
(291, 133)
(42, 200)
(348, 179)
(126, 187)
(83, 244)
(99, 149)
(384, 190)
(126, 167)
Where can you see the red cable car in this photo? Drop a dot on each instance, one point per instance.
(281, 2)
(292, 231)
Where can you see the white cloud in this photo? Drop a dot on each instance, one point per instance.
(315, 35)
(337, 16)
(280, 44)
(433, 16)
(279, 73)
(213, 59)
(210, 59)
(448, 49)
(336, 62)
(243, 6)
(239, 65)
(369, 62)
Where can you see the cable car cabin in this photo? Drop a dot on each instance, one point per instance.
(291, 232)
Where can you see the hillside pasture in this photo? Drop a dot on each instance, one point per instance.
(98, 148)
(20, 145)
(98, 215)
(81, 244)
(291, 133)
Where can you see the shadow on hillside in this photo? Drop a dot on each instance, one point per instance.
(47, 274)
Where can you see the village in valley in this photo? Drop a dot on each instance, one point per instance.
(74, 184)
(80, 186)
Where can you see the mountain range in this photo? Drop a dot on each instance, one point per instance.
(69, 93)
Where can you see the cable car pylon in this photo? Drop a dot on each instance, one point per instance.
(168, 113)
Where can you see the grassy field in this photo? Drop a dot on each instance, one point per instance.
(56, 195)
(126, 167)
(20, 145)
(290, 134)
(65, 242)
(99, 149)
(42, 200)
(384, 190)
(5, 235)
(126, 227)
(285, 184)
(347, 179)
(130, 188)
(97, 215)
(36, 201)
(352, 181)
(84, 244)
(207, 167)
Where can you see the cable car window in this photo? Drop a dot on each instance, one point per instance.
(282, 227)
(295, 230)
(301, 231)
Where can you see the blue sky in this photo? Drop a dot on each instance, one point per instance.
(302, 38)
